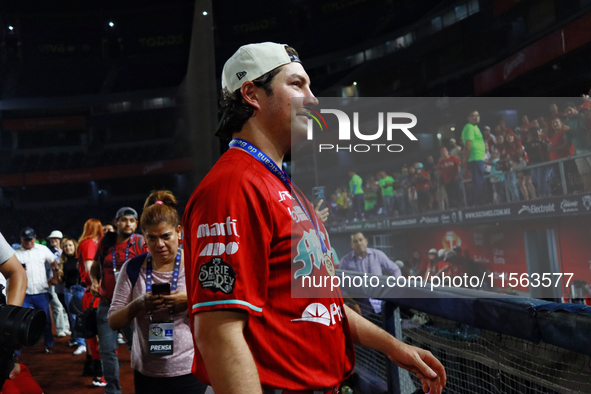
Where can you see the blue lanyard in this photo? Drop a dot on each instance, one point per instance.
(279, 173)
(129, 243)
(175, 276)
(175, 273)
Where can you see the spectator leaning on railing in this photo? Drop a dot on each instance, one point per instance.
(537, 148)
(422, 183)
(387, 186)
(519, 160)
(450, 170)
(497, 178)
(579, 136)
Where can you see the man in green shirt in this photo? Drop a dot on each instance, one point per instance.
(387, 185)
(356, 190)
(473, 158)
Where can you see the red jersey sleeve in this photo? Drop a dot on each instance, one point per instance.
(228, 232)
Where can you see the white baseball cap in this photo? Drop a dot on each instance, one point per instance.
(252, 61)
(56, 234)
(432, 251)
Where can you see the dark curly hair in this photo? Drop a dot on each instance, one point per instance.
(235, 111)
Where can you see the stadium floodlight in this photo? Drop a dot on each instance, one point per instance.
(111, 24)
(204, 13)
(11, 28)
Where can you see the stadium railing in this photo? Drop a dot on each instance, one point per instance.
(488, 342)
(561, 177)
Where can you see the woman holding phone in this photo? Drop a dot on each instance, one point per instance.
(151, 292)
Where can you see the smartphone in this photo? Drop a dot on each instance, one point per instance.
(161, 289)
(317, 195)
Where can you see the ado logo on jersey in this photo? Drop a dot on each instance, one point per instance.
(309, 253)
(217, 275)
(219, 248)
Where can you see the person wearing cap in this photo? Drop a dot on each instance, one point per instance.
(242, 227)
(432, 266)
(473, 158)
(114, 249)
(58, 302)
(38, 262)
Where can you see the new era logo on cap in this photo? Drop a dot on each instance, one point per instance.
(254, 60)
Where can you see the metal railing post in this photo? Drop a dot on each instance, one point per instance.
(507, 194)
(464, 193)
(391, 323)
(562, 177)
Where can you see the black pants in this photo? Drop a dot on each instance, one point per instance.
(184, 384)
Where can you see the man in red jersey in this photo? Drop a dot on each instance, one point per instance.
(114, 249)
(241, 228)
(450, 170)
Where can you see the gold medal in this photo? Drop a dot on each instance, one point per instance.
(329, 265)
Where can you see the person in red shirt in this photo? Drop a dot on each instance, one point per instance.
(518, 159)
(114, 249)
(450, 170)
(243, 224)
(560, 147)
(525, 128)
(422, 184)
(502, 129)
(87, 245)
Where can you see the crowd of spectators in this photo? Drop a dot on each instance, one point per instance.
(488, 166)
(79, 277)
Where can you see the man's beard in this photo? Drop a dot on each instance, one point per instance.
(126, 233)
